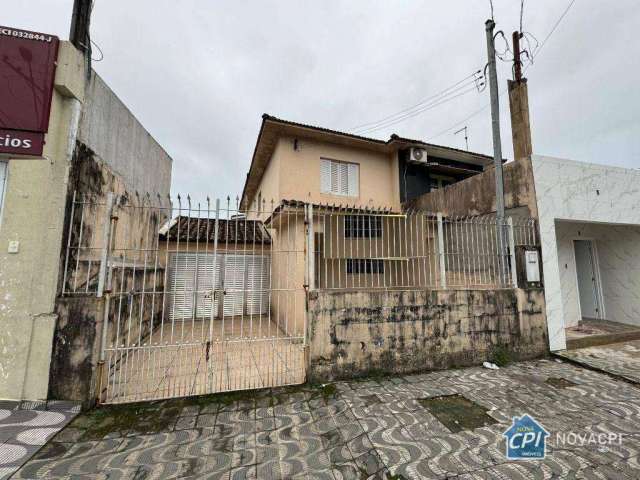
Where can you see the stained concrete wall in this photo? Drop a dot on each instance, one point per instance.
(353, 333)
(477, 195)
(119, 140)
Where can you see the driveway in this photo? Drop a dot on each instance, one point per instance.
(437, 425)
(620, 359)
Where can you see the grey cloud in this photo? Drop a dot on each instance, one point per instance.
(199, 74)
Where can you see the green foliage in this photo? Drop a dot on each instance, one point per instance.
(500, 355)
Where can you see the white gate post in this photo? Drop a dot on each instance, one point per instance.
(512, 251)
(443, 270)
(105, 279)
(311, 276)
(106, 238)
(216, 230)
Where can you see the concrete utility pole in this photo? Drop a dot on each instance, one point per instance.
(519, 106)
(495, 119)
(497, 148)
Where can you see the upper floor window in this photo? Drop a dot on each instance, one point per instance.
(339, 178)
(362, 226)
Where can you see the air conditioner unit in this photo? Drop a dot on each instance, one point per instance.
(417, 155)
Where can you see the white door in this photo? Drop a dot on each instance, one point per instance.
(234, 285)
(208, 285)
(257, 285)
(182, 271)
(587, 281)
(191, 282)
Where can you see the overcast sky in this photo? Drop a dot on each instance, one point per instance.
(199, 74)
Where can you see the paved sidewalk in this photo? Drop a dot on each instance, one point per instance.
(26, 426)
(621, 359)
(379, 429)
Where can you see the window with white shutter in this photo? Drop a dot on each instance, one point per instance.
(339, 178)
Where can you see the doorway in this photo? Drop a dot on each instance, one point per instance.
(588, 283)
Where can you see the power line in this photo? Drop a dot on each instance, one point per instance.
(421, 110)
(417, 105)
(477, 112)
(555, 26)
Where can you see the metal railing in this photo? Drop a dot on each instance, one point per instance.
(365, 250)
(202, 298)
(198, 298)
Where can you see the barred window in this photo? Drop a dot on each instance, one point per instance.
(362, 226)
(364, 265)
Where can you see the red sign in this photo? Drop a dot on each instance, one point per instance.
(18, 142)
(27, 71)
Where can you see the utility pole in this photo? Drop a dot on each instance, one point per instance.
(497, 144)
(466, 137)
(79, 32)
(519, 105)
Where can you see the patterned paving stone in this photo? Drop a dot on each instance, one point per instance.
(370, 429)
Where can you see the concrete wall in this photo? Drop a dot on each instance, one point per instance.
(578, 192)
(33, 213)
(617, 250)
(112, 152)
(352, 333)
(477, 195)
(120, 141)
(297, 175)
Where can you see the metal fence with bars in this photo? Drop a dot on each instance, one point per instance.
(415, 250)
(207, 298)
(197, 299)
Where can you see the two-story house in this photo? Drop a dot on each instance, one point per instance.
(354, 186)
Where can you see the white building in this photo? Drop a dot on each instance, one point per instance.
(590, 234)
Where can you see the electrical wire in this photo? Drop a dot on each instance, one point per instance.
(421, 110)
(477, 112)
(555, 26)
(364, 126)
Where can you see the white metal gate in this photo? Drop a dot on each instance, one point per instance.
(195, 300)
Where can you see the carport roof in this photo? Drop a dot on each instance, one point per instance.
(233, 230)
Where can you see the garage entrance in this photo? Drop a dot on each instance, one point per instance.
(194, 303)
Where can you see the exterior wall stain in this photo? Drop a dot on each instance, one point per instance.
(420, 330)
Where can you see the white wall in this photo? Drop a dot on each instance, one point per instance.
(617, 249)
(578, 192)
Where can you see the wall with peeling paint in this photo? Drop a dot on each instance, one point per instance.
(36, 214)
(352, 333)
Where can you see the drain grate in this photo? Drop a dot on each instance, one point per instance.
(559, 382)
(457, 412)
